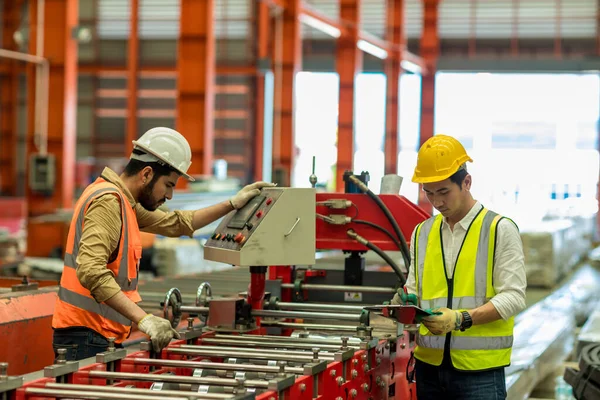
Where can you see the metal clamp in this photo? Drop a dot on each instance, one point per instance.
(8, 383)
(292, 228)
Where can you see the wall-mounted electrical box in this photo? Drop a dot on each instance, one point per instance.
(42, 173)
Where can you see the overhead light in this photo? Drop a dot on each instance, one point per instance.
(372, 49)
(320, 26)
(410, 67)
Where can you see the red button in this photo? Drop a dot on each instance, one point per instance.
(259, 214)
(269, 201)
(239, 237)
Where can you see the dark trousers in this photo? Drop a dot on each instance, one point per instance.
(79, 342)
(445, 382)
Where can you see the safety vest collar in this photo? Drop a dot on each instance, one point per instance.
(483, 256)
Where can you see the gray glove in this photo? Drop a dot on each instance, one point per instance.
(247, 193)
(159, 330)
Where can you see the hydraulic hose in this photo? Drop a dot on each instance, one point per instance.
(404, 249)
(380, 253)
(380, 228)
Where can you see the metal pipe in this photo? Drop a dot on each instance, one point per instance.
(40, 78)
(89, 394)
(139, 391)
(282, 314)
(133, 376)
(314, 327)
(292, 339)
(325, 354)
(216, 365)
(305, 315)
(319, 307)
(41, 93)
(289, 345)
(244, 354)
(194, 309)
(340, 288)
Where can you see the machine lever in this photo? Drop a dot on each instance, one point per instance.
(292, 228)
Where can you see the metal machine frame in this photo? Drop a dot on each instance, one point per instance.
(259, 345)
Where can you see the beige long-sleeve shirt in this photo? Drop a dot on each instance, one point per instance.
(102, 232)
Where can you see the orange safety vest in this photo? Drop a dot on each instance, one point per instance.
(75, 306)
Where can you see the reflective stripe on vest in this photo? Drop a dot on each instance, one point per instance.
(122, 277)
(466, 342)
(89, 304)
(482, 346)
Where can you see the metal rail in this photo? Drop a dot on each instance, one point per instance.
(134, 376)
(138, 391)
(340, 288)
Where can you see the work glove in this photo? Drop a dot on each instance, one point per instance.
(403, 298)
(447, 321)
(248, 192)
(159, 330)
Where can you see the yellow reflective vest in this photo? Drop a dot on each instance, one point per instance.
(480, 347)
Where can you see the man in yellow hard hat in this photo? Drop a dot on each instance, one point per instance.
(98, 294)
(466, 263)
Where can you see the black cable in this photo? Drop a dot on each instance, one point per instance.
(404, 249)
(387, 259)
(381, 228)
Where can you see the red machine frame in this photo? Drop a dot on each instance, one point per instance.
(369, 374)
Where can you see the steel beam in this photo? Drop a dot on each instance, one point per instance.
(132, 78)
(288, 61)
(8, 102)
(348, 64)
(261, 12)
(60, 48)
(430, 51)
(393, 70)
(196, 81)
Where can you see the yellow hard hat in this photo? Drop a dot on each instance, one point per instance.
(439, 158)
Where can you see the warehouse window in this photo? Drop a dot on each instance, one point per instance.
(410, 123)
(532, 137)
(369, 129)
(316, 122)
(315, 127)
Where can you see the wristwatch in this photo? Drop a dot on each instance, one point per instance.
(467, 321)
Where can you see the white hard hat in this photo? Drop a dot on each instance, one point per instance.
(167, 146)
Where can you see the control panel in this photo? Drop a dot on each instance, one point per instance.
(277, 227)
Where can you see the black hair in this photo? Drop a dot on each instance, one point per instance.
(135, 166)
(459, 176)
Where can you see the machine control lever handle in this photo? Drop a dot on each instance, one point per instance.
(292, 228)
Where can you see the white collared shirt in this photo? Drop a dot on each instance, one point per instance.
(509, 278)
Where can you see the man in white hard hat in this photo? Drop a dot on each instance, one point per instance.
(98, 293)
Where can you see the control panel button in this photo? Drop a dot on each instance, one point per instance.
(249, 226)
(259, 214)
(223, 237)
(269, 201)
(239, 237)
